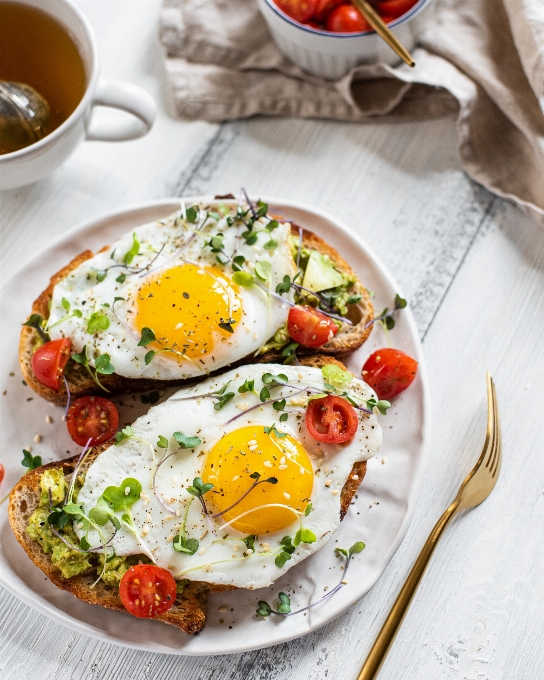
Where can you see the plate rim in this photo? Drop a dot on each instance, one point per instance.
(57, 614)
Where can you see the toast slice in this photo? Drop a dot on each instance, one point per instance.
(189, 610)
(348, 339)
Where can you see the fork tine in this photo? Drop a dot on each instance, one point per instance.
(490, 434)
(498, 456)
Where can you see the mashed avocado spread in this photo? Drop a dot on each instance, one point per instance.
(70, 562)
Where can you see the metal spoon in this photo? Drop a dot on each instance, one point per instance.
(24, 116)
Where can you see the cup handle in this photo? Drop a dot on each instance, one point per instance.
(117, 94)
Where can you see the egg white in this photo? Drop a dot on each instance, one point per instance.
(219, 561)
(262, 315)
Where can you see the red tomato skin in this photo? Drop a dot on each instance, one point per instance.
(310, 327)
(299, 10)
(346, 19)
(93, 418)
(138, 587)
(395, 8)
(324, 8)
(49, 362)
(2, 472)
(389, 372)
(330, 412)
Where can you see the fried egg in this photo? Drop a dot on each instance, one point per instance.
(269, 478)
(176, 278)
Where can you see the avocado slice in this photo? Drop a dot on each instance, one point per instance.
(321, 274)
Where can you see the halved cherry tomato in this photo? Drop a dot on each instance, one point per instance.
(310, 327)
(49, 362)
(389, 372)
(346, 19)
(93, 418)
(324, 7)
(2, 471)
(299, 10)
(395, 8)
(147, 590)
(331, 419)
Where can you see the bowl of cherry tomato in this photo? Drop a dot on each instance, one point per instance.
(327, 38)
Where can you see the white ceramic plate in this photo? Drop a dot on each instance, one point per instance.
(379, 516)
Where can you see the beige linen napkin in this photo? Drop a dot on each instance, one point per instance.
(483, 59)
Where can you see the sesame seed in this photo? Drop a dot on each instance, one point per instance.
(222, 608)
(208, 567)
(383, 461)
(249, 551)
(282, 460)
(170, 538)
(145, 530)
(283, 467)
(254, 447)
(202, 551)
(148, 517)
(252, 442)
(28, 448)
(48, 419)
(344, 583)
(334, 492)
(235, 478)
(326, 469)
(286, 495)
(178, 513)
(328, 482)
(267, 464)
(302, 470)
(355, 477)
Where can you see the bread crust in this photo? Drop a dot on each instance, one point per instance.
(189, 610)
(81, 384)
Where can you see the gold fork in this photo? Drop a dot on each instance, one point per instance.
(477, 486)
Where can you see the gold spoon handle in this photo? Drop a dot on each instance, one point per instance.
(390, 628)
(377, 23)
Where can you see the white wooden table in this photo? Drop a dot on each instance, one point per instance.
(472, 267)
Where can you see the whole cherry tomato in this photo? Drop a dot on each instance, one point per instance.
(395, 8)
(346, 19)
(93, 418)
(389, 372)
(2, 472)
(331, 419)
(147, 590)
(299, 10)
(310, 327)
(324, 7)
(49, 362)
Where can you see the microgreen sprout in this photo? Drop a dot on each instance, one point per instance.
(29, 461)
(36, 322)
(256, 476)
(386, 318)
(287, 550)
(181, 543)
(284, 606)
(69, 315)
(272, 430)
(102, 365)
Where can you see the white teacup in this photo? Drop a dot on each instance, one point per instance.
(37, 160)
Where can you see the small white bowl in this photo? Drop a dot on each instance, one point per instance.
(332, 55)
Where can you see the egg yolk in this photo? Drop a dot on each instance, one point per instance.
(190, 309)
(269, 506)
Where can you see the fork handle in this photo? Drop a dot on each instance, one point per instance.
(392, 623)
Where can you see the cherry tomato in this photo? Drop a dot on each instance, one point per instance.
(1, 473)
(299, 10)
(389, 372)
(346, 19)
(331, 419)
(324, 7)
(310, 327)
(395, 8)
(147, 590)
(49, 362)
(93, 418)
